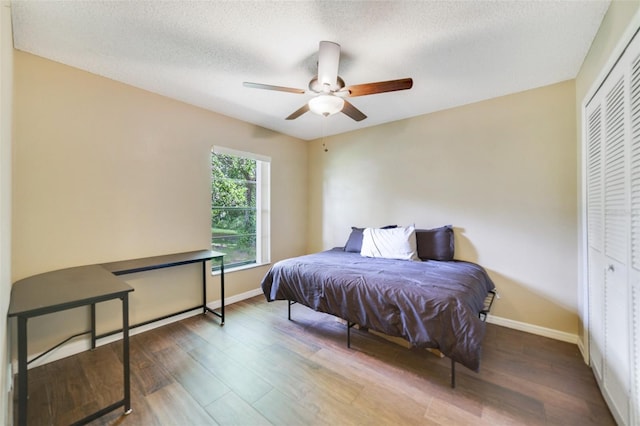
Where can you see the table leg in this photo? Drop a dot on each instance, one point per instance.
(125, 353)
(222, 291)
(204, 287)
(22, 371)
(93, 326)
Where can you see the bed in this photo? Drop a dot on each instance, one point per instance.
(433, 303)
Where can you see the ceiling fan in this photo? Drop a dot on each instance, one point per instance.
(329, 90)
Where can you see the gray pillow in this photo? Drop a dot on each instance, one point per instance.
(435, 244)
(354, 243)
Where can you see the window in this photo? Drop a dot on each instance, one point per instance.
(239, 207)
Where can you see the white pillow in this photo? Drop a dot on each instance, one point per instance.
(393, 243)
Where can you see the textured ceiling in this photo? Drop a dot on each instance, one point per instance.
(457, 52)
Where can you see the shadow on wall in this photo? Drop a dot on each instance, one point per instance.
(520, 302)
(464, 248)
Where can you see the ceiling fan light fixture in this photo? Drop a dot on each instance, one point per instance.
(326, 105)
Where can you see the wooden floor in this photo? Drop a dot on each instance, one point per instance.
(262, 369)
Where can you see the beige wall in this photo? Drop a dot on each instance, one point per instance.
(605, 47)
(6, 98)
(503, 172)
(104, 171)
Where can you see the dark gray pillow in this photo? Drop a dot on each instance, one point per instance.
(435, 244)
(354, 243)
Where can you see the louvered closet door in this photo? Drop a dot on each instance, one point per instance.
(595, 236)
(616, 229)
(634, 270)
(612, 175)
(607, 242)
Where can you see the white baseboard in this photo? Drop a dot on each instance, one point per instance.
(82, 344)
(237, 298)
(583, 351)
(534, 329)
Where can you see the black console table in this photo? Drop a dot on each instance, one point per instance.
(158, 262)
(85, 286)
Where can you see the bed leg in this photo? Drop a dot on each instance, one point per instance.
(453, 374)
(349, 325)
(289, 304)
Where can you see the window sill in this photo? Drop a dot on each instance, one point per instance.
(241, 268)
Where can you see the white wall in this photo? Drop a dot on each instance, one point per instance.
(6, 86)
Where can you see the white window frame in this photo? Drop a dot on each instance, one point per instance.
(263, 204)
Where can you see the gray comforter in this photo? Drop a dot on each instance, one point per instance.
(432, 304)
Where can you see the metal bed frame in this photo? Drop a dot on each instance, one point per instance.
(488, 303)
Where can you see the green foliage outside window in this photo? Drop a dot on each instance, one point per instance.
(233, 208)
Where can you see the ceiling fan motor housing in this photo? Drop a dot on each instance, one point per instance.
(317, 87)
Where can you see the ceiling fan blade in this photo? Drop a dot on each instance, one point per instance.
(380, 87)
(353, 112)
(297, 113)
(328, 61)
(270, 87)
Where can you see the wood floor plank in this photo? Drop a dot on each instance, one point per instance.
(336, 411)
(233, 373)
(495, 416)
(370, 373)
(294, 375)
(281, 409)
(149, 379)
(198, 381)
(66, 391)
(541, 372)
(503, 399)
(390, 408)
(446, 412)
(104, 374)
(287, 381)
(557, 404)
(285, 332)
(205, 327)
(141, 415)
(232, 410)
(40, 403)
(173, 405)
